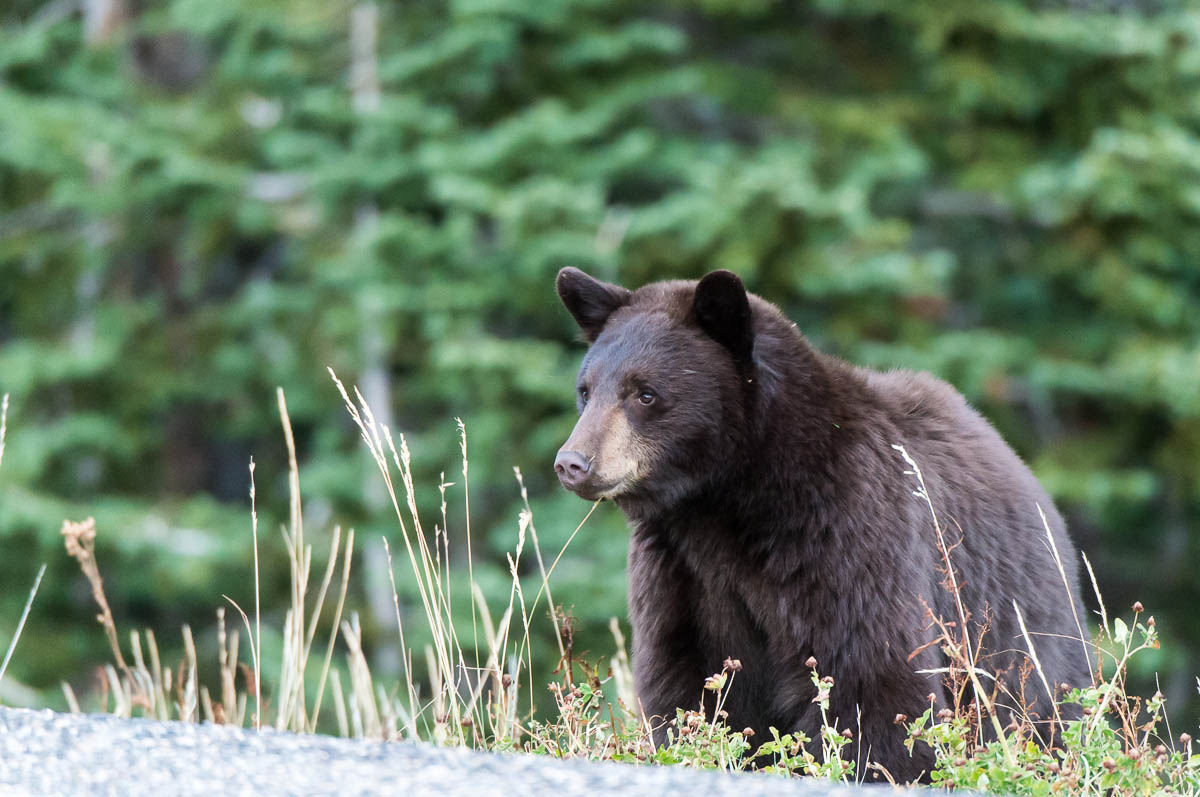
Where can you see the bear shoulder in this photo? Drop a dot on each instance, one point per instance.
(917, 395)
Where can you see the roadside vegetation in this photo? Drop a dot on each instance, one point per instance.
(473, 684)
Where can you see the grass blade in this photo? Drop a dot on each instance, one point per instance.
(12, 646)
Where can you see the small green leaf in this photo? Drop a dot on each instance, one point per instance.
(1119, 630)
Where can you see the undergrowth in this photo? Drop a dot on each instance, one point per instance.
(479, 692)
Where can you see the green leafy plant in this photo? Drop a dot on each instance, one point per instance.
(1118, 744)
(789, 754)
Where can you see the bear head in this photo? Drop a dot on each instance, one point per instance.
(663, 390)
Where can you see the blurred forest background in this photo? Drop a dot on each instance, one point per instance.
(201, 200)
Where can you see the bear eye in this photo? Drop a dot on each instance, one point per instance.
(646, 398)
(583, 394)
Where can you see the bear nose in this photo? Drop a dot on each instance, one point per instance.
(572, 468)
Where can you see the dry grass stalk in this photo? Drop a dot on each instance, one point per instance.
(337, 618)
(299, 633)
(1062, 572)
(69, 696)
(410, 724)
(146, 686)
(537, 552)
(423, 565)
(122, 700)
(1037, 663)
(339, 704)
(161, 675)
(3, 424)
(291, 699)
(151, 700)
(188, 690)
(622, 669)
(80, 540)
(471, 703)
(475, 705)
(232, 708)
(256, 635)
(967, 657)
(462, 432)
(368, 723)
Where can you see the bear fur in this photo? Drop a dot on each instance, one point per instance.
(773, 521)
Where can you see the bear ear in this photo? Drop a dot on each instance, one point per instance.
(723, 311)
(589, 300)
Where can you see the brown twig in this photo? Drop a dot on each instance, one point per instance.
(80, 539)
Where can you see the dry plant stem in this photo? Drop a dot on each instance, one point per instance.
(1104, 624)
(292, 710)
(80, 540)
(408, 679)
(140, 673)
(437, 693)
(187, 707)
(159, 675)
(445, 638)
(254, 657)
(1166, 718)
(1087, 655)
(153, 696)
(122, 705)
(554, 564)
(360, 679)
(337, 620)
(293, 472)
(3, 424)
(515, 594)
(69, 696)
(339, 704)
(1037, 664)
(968, 659)
(325, 582)
(462, 432)
(1096, 588)
(223, 659)
(1118, 675)
(622, 669)
(537, 551)
(492, 635)
(446, 656)
(441, 546)
(528, 655)
(256, 633)
(420, 563)
(227, 656)
(370, 435)
(447, 597)
(496, 651)
(37, 582)
(207, 710)
(545, 585)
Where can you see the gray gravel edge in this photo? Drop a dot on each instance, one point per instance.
(44, 753)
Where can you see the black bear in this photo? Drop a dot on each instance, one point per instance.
(773, 520)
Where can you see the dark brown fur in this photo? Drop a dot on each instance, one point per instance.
(772, 519)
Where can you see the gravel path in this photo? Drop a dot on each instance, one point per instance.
(43, 753)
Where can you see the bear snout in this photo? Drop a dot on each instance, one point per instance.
(573, 469)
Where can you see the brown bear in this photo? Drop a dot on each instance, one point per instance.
(773, 520)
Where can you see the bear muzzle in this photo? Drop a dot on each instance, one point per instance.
(579, 475)
(573, 469)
